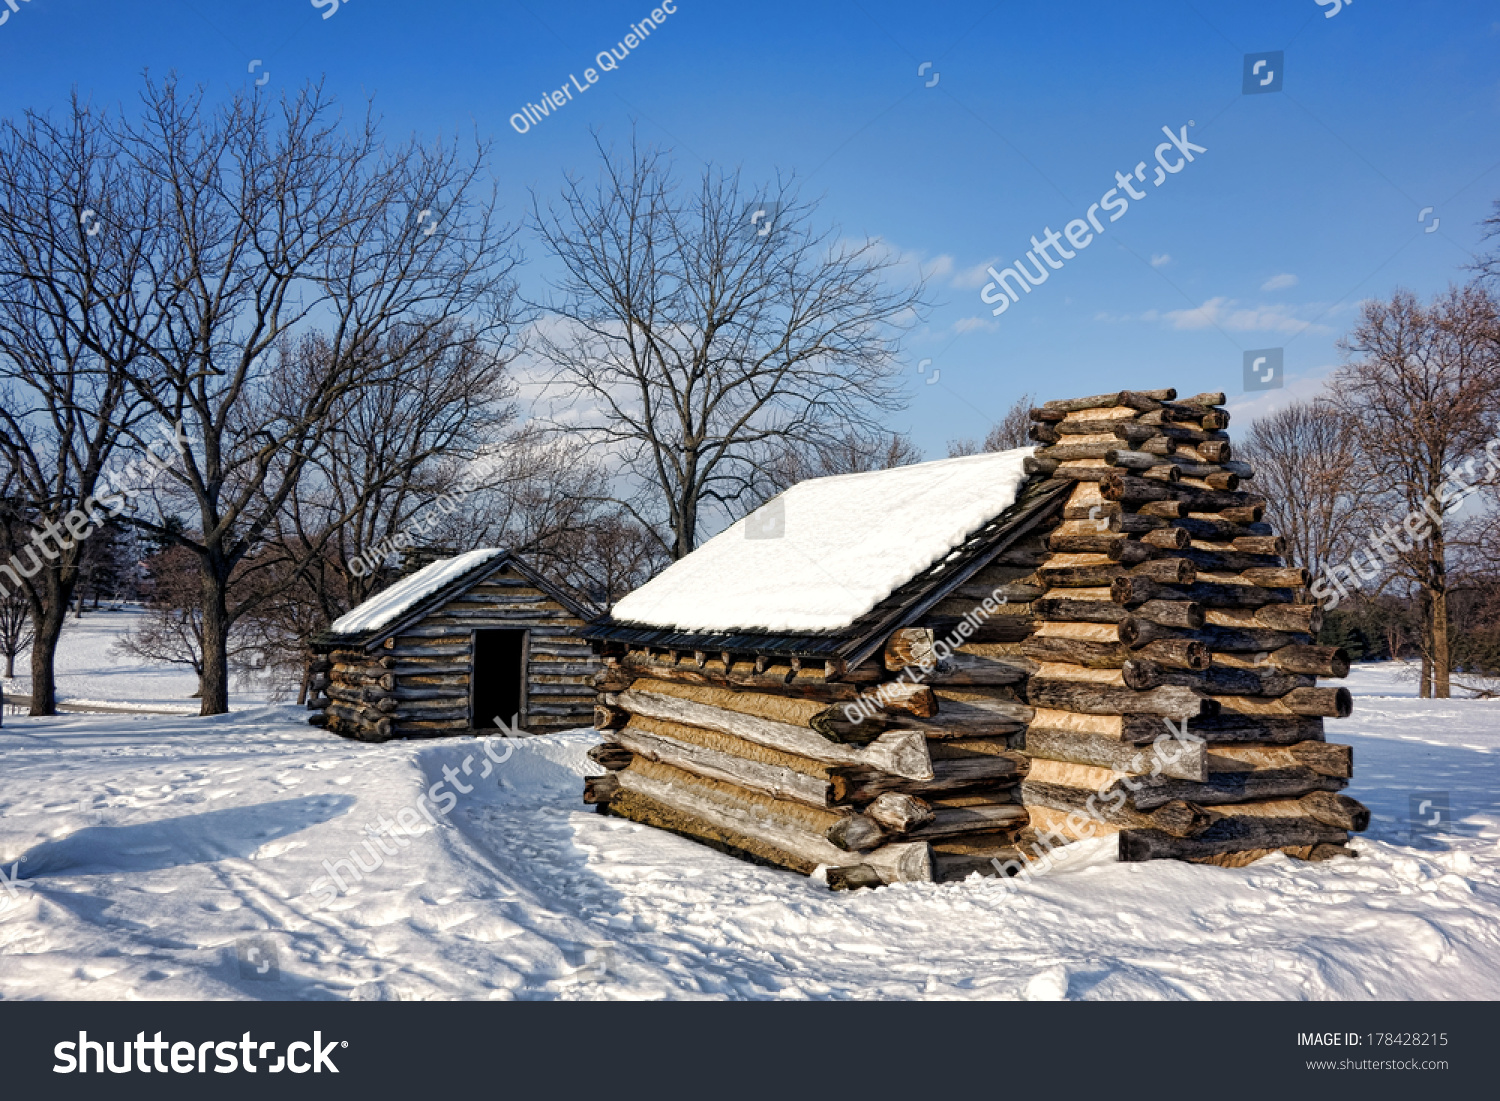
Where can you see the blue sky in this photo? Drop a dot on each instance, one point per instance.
(1305, 201)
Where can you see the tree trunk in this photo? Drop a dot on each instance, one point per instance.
(10, 666)
(307, 674)
(44, 659)
(1441, 658)
(213, 685)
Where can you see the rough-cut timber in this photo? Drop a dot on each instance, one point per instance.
(1122, 651)
(422, 674)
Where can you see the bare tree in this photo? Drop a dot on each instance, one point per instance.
(1007, 435)
(701, 328)
(73, 268)
(1317, 487)
(395, 450)
(1488, 266)
(1421, 393)
(276, 221)
(851, 454)
(15, 629)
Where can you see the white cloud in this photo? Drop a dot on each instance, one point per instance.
(970, 324)
(1225, 313)
(1279, 282)
(1245, 408)
(975, 277)
(938, 266)
(1160, 259)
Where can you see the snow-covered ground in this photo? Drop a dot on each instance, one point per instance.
(90, 670)
(152, 851)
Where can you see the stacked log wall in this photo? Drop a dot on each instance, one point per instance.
(1167, 601)
(423, 673)
(770, 760)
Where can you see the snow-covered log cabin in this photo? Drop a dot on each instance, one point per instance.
(456, 647)
(958, 666)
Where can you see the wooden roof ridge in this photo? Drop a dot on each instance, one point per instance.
(452, 590)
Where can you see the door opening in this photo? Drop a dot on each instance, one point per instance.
(497, 682)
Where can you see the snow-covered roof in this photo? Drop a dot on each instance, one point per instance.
(828, 550)
(387, 606)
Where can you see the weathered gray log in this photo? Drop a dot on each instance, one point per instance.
(1124, 489)
(852, 877)
(1171, 613)
(1337, 810)
(609, 718)
(1188, 760)
(726, 815)
(1139, 633)
(1261, 544)
(1324, 758)
(1143, 675)
(900, 813)
(1175, 653)
(968, 718)
(1320, 661)
(366, 676)
(1219, 529)
(773, 780)
(1333, 703)
(1208, 399)
(856, 834)
(1227, 561)
(1167, 571)
(1228, 728)
(1229, 788)
(1064, 452)
(1097, 699)
(1306, 618)
(1089, 542)
(902, 752)
(370, 696)
(1177, 818)
(953, 821)
(1138, 590)
(951, 776)
(600, 789)
(1142, 400)
(1226, 836)
(611, 756)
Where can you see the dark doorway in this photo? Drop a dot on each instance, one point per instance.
(497, 685)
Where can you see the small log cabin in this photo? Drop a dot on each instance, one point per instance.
(955, 667)
(452, 649)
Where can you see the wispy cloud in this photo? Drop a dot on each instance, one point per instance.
(1279, 282)
(977, 276)
(1160, 259)
(938, 267)
(1245, 408)
(970, 324)
(1231, 316)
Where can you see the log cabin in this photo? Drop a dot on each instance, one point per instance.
(455, 648)
(959, 666)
